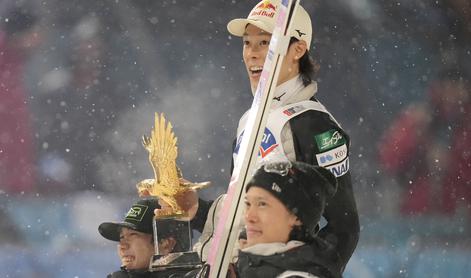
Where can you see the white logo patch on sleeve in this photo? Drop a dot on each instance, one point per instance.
(333, 156)
(339, 169)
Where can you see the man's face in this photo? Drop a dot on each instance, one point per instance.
(255, 50)
(267, 219)
(135, 249)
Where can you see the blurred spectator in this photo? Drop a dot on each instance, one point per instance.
(463, 8)
(73, 105)
(11, 234)
(18, 37)
(86, 78)
(427, 147)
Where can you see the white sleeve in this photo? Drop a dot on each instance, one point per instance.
(287, 142)
(204, 242)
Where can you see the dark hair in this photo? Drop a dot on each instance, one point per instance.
(301, 233)
(308, 67)
(168, 228)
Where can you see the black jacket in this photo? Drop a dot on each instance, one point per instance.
(343, 228)
(317, 258)
(133, 274)
(147, 274)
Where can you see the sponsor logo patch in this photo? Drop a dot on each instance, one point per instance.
(267, 146)
(268, 143)
(264, 9)
(266, 5)
(333, 156)
(293, 110)
(136, 212)
(329, 140)
(276, 187)
(339, 169)
(239, 140)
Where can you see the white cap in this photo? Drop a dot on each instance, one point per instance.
(263, 16)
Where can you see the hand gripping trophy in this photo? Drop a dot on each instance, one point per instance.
(168, 186)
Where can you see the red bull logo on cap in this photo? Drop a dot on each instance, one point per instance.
(264, 9)
(266, 5)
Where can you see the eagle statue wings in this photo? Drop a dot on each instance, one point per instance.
(168, 182)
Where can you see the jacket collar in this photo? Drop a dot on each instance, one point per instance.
(293, 91)
(268, 249)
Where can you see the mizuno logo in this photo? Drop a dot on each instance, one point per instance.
(279, 97)
(300, 33)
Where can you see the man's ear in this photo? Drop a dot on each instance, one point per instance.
(296, 221)
(300, 47)
(166, 245)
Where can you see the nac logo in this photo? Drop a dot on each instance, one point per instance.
(339, 169)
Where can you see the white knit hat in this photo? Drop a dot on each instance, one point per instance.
(263, 16)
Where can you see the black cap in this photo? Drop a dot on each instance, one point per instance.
(301, 187)
(138, 218)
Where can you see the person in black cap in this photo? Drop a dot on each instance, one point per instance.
(284, 203)
(136, 243)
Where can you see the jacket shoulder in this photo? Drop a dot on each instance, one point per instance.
(316, 121)
(314, 134)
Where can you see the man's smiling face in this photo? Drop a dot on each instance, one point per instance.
(135, 249)
(255, 50)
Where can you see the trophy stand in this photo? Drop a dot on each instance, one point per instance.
(182, 257)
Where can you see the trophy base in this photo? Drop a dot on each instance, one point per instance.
(180, 260)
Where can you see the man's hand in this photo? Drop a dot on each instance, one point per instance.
(231, 271)
(187, 200)
(143, 193)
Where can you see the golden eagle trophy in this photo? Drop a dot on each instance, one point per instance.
(169, 186)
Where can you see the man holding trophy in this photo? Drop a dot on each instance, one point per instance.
(136, 240)
(160, 245)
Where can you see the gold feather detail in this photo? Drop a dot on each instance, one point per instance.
(167, 184)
